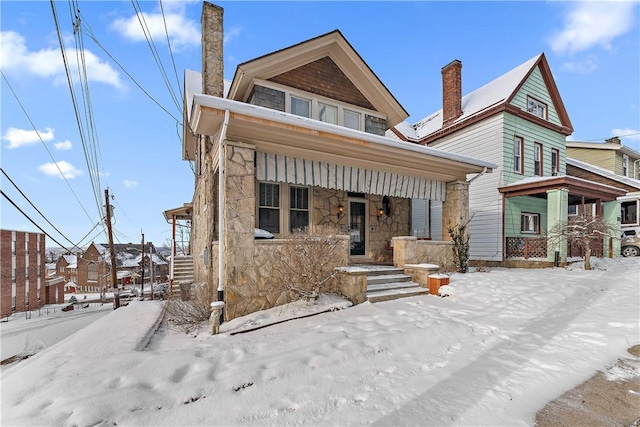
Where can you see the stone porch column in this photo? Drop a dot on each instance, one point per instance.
(239, 211)
(611, 214)
(455, 208)
(557, 213)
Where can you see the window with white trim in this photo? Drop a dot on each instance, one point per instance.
(555, 162)
(298, 207)
(269, 207)
(537, 159)
(573, 210)
(518, 144)
(327, 113)
(351, 119)
(283, 208)
(625, 165)
(319, 107)
(537, 108)
(530, 223)
(300, 107)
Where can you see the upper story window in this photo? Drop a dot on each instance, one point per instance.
(92, 272)
(327, 113)
(518, 144)
(537, 159)
(283, 98)
(555, 162)
(625, 165)
(537, 108)
(351, 119)
(300, 107)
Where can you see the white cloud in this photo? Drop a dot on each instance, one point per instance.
(63, 145)
(232, 34)
(583, 67)
(47, 63)
(183, 32)
(130, 184)
(588, 24)
(20, 137)
(55, 169)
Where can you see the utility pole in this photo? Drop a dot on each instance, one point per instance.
(151, 268)
(112, 252)
(142, 265)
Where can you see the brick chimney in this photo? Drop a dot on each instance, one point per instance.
(614, 140)
(451, 92)
(212, 59)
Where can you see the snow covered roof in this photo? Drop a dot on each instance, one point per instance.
(604, 173)
(498, 92)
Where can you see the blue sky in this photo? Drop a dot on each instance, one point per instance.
(132, 145)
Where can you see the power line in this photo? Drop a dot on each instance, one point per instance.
(154, 51)
(33, 222)
(45, 145)
(175, 70)
(37, 210)
(75, 104)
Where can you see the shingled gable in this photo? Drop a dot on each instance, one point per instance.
(493, 98)
(328, 51)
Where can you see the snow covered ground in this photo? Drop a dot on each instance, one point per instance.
(493, 352)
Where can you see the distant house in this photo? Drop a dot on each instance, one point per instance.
(297, 141)
(519, 122)
(54, 290)
(610, 155)
(67, 267)
(629, 203)
(22, 262)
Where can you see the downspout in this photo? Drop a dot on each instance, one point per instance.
(477, 176)
(221, 215)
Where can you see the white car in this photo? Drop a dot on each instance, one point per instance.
(630, 241)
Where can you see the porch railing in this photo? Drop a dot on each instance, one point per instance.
(526, 247)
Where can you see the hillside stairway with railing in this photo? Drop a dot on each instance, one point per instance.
(182, 273)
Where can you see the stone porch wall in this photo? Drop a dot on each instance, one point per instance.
(410, 250)
(252, 288)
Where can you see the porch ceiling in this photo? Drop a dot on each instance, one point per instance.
(281, 133)
(578, 188)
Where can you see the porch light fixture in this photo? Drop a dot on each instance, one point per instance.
(380, 213)
(340, 211)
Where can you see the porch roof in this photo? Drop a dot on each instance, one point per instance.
(184, 212)
(578, 187)
(276, 132)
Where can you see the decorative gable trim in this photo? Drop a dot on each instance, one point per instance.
(338, 49)
(550, 83)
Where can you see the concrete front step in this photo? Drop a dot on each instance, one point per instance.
(391, 294)
(387, 278)
(387, 286)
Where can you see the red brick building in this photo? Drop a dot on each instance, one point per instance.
(22, 271)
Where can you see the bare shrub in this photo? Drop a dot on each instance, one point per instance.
(304, 263)
(188, 315)
(582, 231)
(460, 237)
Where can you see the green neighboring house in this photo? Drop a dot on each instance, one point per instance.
(519, 122)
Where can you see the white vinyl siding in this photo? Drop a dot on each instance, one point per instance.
(486, 141)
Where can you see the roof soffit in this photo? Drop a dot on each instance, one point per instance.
(338, 49)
